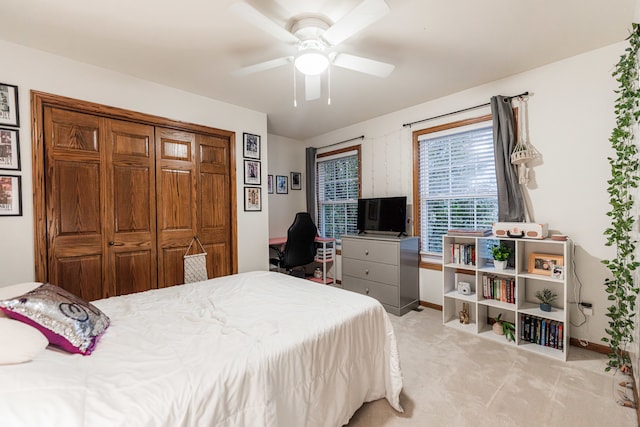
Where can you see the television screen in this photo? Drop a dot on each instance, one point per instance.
(387, 214)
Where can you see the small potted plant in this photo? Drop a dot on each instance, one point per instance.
(546, 297)
(501, 254)
(502, 327)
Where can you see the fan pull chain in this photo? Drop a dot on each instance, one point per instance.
(295, 92)
(329, 85)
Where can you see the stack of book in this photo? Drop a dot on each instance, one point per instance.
(463, 232)
(544, 332)
(499, 288)
(324, 254)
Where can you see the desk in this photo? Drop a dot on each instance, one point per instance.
(324, 255)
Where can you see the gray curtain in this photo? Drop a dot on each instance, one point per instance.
(511, 207)
(311, 180)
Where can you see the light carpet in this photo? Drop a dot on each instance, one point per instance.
(452, 378)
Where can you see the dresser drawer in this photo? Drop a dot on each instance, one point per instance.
(369, 250)
(386, 294)
(367, 270)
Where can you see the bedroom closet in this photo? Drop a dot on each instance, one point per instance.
(119, 195)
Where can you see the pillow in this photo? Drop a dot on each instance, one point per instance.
(66, 320)
(20, 342)
(7, 292)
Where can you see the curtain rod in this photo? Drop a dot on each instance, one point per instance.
(461, 111)
(342, 142)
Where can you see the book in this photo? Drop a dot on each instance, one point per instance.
(461, 232)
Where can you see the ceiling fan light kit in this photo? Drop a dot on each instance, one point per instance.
(311, 60)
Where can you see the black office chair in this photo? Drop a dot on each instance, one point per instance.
(300, 248)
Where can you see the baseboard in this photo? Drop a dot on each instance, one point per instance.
(431, 305)
(598, 348)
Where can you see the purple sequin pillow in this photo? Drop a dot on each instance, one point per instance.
(66, 320)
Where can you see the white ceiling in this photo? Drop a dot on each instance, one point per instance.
(439, 47)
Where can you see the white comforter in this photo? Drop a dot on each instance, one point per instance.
(254, 349)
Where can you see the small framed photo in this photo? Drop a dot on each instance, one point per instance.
(9, 115)
(296, 181)
(9, 149)
(10, 195)
(251, 146)
(544, 264)
(252, 172)
(252, 199)
(270, 184)
(282, 186)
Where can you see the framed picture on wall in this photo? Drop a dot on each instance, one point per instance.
(9, 149)
(282, 186)
(296, 181)
(10, 195)
(251, 144)
(9, 105)
(252, 199)
(270, 184)
(252, 172)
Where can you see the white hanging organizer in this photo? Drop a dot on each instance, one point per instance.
(523, 152)
(195, 266)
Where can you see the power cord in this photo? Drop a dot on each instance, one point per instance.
(577, 291)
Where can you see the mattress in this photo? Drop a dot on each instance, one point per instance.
(253, 349)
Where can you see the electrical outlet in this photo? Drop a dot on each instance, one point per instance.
(587, 308)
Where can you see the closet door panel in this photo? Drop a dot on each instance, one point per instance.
(131, 220)
(214, 203)
(73, 197)
(176, 202)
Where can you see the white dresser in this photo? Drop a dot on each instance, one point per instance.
(383, 267)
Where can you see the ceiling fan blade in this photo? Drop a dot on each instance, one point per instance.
(363, 65)
(363, 15)
(259, 20)
(263, 66)
(312, 87)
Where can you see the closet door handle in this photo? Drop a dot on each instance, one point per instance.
(116, 244)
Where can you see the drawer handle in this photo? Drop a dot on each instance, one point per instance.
(366, 272)
(366, 291)
(366, 252)
(116, 244)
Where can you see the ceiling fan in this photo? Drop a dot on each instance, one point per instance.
(313, 35)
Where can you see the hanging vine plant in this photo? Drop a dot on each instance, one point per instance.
(621, 289)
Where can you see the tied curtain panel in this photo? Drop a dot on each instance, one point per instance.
(311, 180)
(511, 206)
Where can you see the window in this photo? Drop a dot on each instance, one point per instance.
(338, 189)
(456, 179)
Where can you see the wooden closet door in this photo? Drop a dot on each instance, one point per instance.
(214, 203)
(74, 188)
(176, 200)
(130, 223)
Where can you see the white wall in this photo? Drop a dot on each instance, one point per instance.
(31, 69)
(286, 155)
(570, 119)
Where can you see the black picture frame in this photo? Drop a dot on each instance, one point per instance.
(252, 199)
(252, 172)
(270, 184)
(296, 180)
(10, 195)
(9, 110)
(282, 186)
(251, 146)
(9, 149)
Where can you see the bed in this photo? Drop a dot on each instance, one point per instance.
(253, 349)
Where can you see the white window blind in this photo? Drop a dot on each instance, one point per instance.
(457, 184)
(337, 189)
